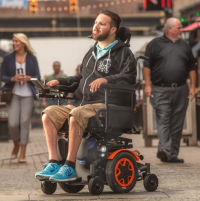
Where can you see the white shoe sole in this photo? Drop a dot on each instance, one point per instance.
(41, 177)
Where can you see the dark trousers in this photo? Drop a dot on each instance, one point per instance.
(170, 105)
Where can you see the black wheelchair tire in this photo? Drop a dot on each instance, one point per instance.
(150, 182)
(111, 177)
(48, 187)
(71, 189)
(96, 185)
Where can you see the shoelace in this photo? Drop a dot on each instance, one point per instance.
(64, 170)
(50, 166)
(44, 166)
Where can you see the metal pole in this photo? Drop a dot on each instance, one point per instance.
(139, 68)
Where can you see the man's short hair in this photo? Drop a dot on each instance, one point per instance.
(115, 19)
(57, 62)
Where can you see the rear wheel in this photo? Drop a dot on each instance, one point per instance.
(122, 173)
(71, 189)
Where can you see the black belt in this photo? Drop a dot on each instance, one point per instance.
(173, 85)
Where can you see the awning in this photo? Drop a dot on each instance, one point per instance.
(193, 26)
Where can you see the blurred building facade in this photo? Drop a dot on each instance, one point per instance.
(186, 9)
(189, 12)
(54, 18)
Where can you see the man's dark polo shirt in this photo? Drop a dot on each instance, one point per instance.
(169, 62)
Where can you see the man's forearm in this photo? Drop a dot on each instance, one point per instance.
(147, 73)
(192, 78)
(69, 80)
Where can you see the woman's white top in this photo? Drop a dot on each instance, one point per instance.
(22, 89)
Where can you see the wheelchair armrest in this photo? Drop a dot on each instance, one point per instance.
(67, 89)
(142, 57)
(121, 86)
(97, 116)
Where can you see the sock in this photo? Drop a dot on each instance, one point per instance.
(70, 164)
(54, 161)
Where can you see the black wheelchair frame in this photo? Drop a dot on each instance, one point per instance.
(110, 161)
(101, 164)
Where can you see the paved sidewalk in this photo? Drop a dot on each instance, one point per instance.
(176, 181)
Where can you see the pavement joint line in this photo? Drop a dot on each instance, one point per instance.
(33, 154)
(166, 195)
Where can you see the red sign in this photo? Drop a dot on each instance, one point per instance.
(157, 4)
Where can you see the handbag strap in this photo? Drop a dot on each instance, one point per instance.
(23, 59)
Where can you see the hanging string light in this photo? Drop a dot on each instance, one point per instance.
(118, 2)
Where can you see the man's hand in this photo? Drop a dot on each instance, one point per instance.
(96, 84)
(44, 102)
(52, 83)
(191, 94)
(147, 90)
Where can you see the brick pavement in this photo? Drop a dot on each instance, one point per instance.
(177, 182)
(37, 152)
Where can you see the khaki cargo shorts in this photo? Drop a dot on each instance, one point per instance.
(58, 114)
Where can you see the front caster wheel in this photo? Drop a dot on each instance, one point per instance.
(48, 187)
(151, 182)
(96, 185)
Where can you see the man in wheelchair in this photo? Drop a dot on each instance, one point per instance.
(109, 61)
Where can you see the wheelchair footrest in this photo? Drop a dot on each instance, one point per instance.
(79, 179)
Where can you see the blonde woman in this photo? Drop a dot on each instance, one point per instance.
(16, 71)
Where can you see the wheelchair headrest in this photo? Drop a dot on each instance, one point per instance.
(124, 34)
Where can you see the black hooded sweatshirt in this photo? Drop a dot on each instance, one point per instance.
(118, 64)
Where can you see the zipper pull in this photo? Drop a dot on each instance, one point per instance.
(94, 55)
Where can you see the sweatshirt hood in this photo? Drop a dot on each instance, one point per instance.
(119, 45)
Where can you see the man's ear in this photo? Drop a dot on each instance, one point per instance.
(113, 30)
(170, 29)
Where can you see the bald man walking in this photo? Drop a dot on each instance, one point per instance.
(165, 74)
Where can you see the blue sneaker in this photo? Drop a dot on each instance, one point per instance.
(65, 173)
(47, 171)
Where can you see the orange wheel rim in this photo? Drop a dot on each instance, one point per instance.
(124, 172)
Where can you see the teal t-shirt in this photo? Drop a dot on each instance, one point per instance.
(101, 52)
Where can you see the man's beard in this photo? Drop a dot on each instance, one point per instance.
(180, 36)
(101, 37)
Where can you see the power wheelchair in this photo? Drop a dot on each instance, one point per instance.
(109, 160)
